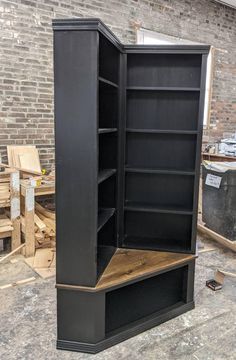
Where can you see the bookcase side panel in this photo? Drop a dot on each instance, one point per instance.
(198, 150)
(76, 88)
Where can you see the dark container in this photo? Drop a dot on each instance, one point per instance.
(219, 204)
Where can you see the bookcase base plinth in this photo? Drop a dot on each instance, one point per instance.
(93, 319)
(127, 332)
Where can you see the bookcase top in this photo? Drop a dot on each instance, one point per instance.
(95, 24)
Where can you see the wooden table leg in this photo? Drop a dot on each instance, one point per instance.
(15, 209)
(29, 221)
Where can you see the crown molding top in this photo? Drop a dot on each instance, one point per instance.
(86, 24)
(95, 24)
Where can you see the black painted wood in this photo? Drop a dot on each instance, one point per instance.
(91, 323)
(76, 97)
(128, 127)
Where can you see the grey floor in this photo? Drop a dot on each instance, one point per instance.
(28, 320)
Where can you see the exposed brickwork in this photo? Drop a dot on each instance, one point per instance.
(26, 76)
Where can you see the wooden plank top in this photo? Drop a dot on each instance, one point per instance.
(217, 157)
(43, 189)
(128, 265)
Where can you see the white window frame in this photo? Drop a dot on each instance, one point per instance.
(148, 37)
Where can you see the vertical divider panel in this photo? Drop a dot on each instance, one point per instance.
(108, 114)
(121, 147)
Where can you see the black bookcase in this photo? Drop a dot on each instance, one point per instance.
(128, 127)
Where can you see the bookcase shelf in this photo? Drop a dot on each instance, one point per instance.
(107, 130)
(130, 206)
(154, 131)
(105, 174)
(128, 127)
(103, 216)
(107, 82)
(161, 88)
(160, 171)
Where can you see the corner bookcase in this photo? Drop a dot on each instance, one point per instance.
(128, 127)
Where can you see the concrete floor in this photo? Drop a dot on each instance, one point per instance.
(28, 320)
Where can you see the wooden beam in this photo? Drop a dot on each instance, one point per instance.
(19, 282)
(29, 222)
(15, 209)
(11, 253)
(217, 237)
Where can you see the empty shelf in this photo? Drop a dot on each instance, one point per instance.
(107, 82)
(162, 244)
(160, 171)
(105, 174)
(162, 88)
(132, 206)
(154, 131)
(107, 130)
(128, 265)
(103, 216)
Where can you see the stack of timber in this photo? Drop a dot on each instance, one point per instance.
(44, 227)
(6, 226)
(4, 192)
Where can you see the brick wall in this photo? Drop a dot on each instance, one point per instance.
(26, 77)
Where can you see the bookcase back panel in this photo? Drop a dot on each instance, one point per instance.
(164, 70)
(108, 60)
(161, 190)
(151, 230)
(147, 296)
(164, 110)
(108, 106)
(161, 151)
(108, 151)
(107, 193)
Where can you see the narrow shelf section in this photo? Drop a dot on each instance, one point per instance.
(162, 88)
(103, 216)
(107, 82)
(107, 130)
(154, 131)
(105, 174)
(160, 171)
(142, 207)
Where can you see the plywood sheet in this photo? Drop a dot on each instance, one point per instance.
(44, 258)
(30, 161)
(24, 154)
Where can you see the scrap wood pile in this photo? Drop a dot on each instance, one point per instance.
(44, 227)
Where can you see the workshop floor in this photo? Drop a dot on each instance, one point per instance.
(28, 320)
